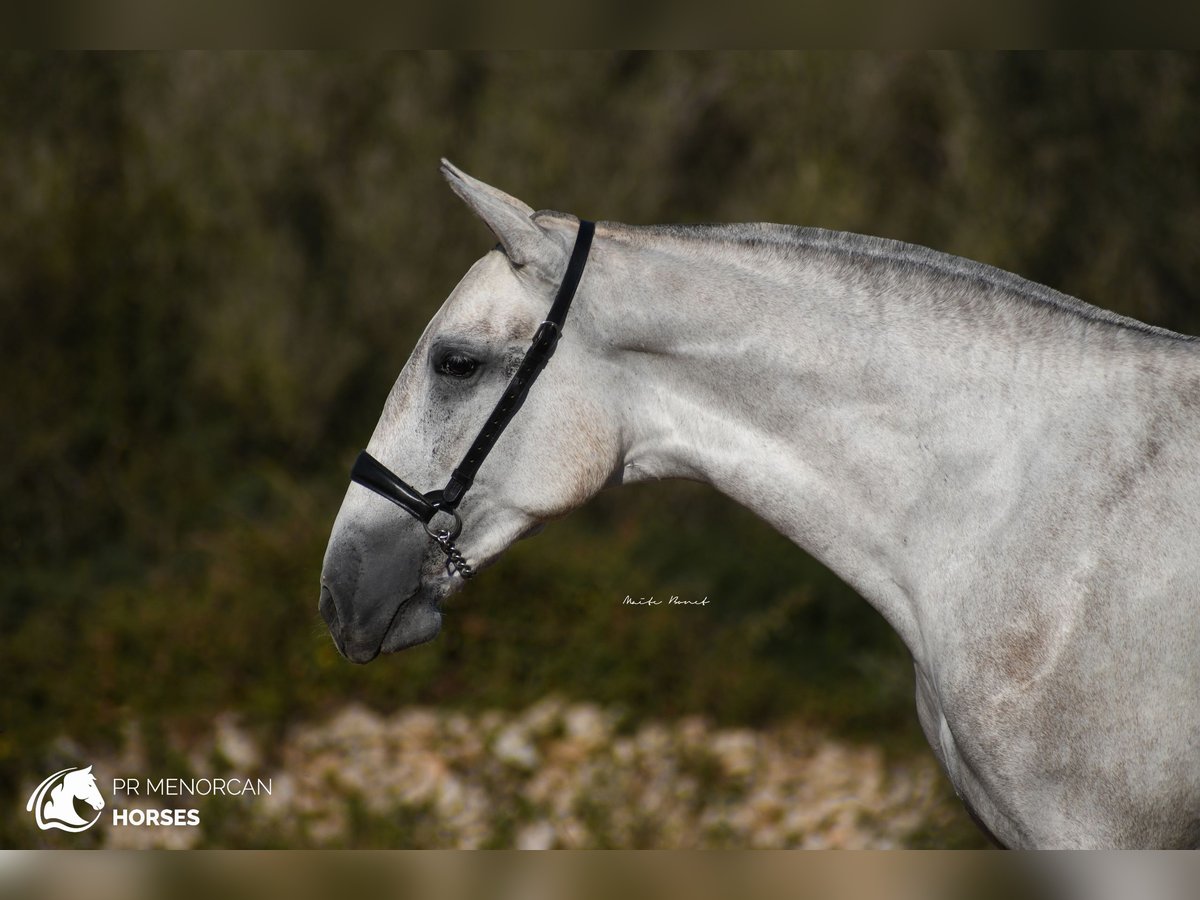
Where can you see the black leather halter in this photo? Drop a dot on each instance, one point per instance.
(374, 475)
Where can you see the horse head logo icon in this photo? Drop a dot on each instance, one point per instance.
(53, 801)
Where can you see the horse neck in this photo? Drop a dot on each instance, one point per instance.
(864, 416)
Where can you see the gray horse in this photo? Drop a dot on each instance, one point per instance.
(1007, 474)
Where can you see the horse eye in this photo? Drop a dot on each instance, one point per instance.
(457, 365)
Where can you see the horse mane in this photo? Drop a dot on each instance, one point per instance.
(847, 251)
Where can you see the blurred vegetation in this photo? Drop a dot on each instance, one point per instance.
(212, 268)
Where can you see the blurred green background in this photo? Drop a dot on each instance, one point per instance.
(212, 268)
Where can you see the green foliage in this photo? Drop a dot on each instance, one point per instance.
(213, 266)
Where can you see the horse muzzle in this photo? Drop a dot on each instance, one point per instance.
(372, 597)
(416, 621)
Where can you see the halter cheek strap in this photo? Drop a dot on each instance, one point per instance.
(375, 476)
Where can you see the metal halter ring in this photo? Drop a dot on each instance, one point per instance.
(439, 534)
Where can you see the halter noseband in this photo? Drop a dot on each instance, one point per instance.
(375, 476)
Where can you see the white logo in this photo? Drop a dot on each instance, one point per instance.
(53, 801)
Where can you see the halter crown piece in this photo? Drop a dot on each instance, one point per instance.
(375, 476)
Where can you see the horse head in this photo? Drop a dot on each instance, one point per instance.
(81, 785)
(383, 578)
(53, 801)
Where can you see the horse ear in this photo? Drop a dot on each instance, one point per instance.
(87, 771)
(511, 221)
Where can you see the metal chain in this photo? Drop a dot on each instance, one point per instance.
(454, 557)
